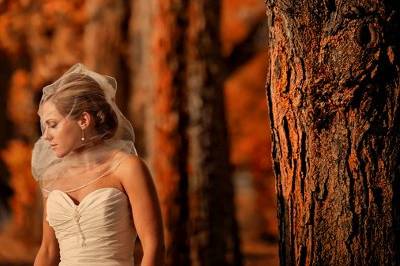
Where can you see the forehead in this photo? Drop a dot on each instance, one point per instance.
(48, 110)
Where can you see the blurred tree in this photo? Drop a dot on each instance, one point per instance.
(141, 56)
(183, 86)
(333, 94)
(104, 42)
(5, 190)
(214, 232)
(178, 74)
(166, 140)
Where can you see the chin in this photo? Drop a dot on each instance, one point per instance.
(60, 154)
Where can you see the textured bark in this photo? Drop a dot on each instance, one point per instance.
(213, 233)
(333, 95)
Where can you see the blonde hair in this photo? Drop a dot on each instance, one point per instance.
(80, 93)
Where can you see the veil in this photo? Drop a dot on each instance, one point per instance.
(98, 155)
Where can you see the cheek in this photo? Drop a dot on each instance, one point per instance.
(73, 134)
(68, 135)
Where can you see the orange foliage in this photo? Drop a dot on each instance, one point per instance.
(47, 34)
(20, 105)
(17, 157)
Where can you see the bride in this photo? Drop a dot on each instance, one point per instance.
(98, 195)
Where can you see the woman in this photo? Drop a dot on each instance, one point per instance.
(97, 193)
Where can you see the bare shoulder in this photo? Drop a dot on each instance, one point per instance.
(132, 171)
(131, 162)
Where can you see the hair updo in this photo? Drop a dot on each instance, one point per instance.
(80, 93)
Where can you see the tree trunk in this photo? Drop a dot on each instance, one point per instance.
(167, 143)
(104, 43)
(333, 97)
(180, 87)
(141, 58)
(213, 233)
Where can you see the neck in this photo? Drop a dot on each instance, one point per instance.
(87, 153)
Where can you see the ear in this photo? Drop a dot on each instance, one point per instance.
(85, 120)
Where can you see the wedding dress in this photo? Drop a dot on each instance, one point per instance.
(97, 231)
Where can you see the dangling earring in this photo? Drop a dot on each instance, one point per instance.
(83, 135)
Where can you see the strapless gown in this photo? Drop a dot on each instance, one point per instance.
(97, 231)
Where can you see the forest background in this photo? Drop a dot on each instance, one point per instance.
(191, 78)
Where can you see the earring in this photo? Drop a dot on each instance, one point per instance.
(83, 135)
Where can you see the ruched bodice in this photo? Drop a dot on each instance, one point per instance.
(97, 231)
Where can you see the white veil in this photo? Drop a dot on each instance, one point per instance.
(96, 159)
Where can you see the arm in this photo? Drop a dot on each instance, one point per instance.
(48, 254)
(138, 184)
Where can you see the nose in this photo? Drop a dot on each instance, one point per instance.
(46, 135)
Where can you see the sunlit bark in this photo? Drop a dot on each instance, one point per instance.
(333, 95)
